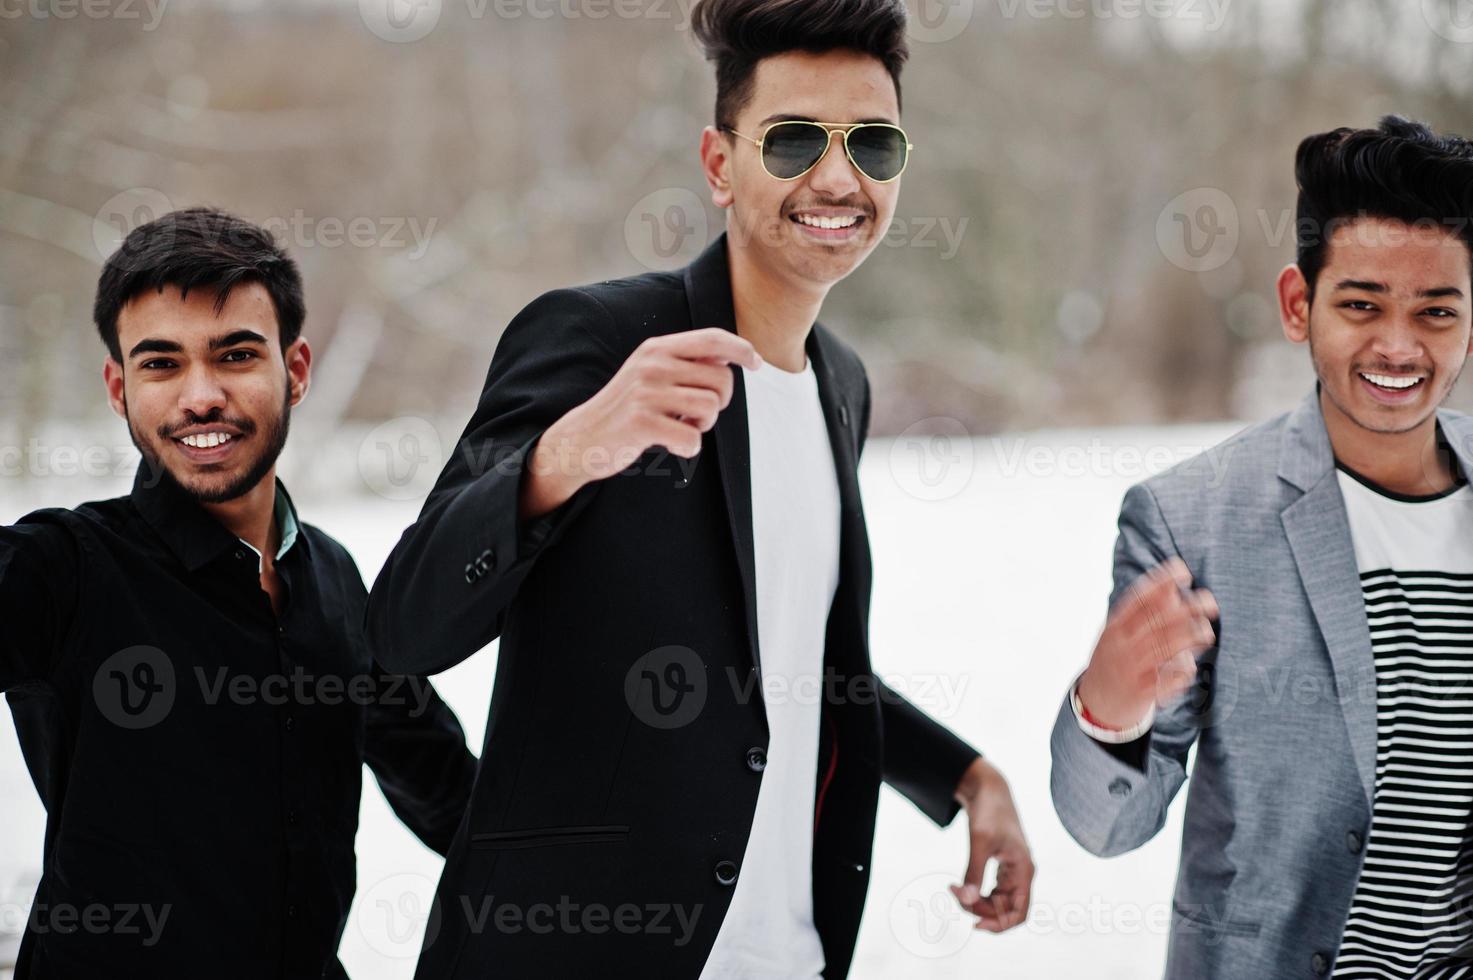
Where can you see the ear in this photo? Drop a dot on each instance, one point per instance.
(1294, 304)
(112, 378)
(298, 359)
(716, 165)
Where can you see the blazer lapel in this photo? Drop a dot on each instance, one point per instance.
(708, 292)
(1319, 536)
(842, 417)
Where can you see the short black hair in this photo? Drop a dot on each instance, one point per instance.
(1401, 171)
(198, 248)
(737, 34)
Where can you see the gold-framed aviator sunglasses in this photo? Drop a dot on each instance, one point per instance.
(793, 147)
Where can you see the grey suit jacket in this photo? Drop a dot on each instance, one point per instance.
(1283, 714)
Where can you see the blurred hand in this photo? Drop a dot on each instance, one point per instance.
(1147, 652)
(668, 393)
(997, 834)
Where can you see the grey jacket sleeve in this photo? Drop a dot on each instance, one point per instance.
(1106, 804)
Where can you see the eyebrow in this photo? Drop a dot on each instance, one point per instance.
(788, 117)
(1380, 287)
(156, 346)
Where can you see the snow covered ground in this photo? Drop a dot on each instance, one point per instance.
(992, 569)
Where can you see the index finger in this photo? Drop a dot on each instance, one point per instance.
(715, 345)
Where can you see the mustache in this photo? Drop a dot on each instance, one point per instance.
(1385, 368)
(857, 204)
(243, 425)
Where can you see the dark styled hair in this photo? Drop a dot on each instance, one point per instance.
(1402, 171)
(737, 34)
(198, 248)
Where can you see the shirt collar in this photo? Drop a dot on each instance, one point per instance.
(189, 530)
(286, 523)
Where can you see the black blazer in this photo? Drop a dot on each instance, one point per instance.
(626, 740)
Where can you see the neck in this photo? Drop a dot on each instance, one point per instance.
(252, 516)
(773, 314)
(1403, 462)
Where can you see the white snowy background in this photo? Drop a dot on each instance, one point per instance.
(992, 571)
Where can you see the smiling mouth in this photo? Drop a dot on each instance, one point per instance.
(1393, 384)
(828, 226)
(210, 446)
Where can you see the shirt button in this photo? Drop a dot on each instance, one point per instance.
(291, 723)
(756, 758)
(1319, 963)
(1120, 788)
(1353, 842)
(726, 873)
(240, 554)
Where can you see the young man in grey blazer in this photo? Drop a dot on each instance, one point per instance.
(1327, 828)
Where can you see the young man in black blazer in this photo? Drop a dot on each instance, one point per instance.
(656, 509)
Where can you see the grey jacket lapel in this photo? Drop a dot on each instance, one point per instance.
(1319, 536)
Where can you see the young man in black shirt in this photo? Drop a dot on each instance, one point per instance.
(186, 665)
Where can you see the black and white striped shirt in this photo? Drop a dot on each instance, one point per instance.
(1412, 912)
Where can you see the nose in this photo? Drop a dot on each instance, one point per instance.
(1397, 342)
(834, 176)
(201, 394)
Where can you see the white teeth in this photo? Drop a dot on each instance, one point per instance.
(832, 224)
(1389, 381)
(207, 441)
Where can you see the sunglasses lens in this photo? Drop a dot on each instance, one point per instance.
(790, 149)
(879, 151)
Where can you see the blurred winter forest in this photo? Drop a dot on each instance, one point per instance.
(1088, 234)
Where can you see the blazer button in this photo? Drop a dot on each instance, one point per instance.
(486, 562)
(1353, 842)
(471, 574)
(756, 758)
(726, 873)
(1320, 964)
(1120, 788)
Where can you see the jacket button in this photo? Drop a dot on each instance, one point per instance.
(726, 873)
(1120, 788)
(486, 562)
(1320, 964)
(756, 758)
(1353, 842)
(471, 575)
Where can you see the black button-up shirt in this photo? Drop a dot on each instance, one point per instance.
(200, 758)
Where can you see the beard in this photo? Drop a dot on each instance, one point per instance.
(274, 434)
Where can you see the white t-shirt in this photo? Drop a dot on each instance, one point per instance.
(768, 933)
(1410, 908)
